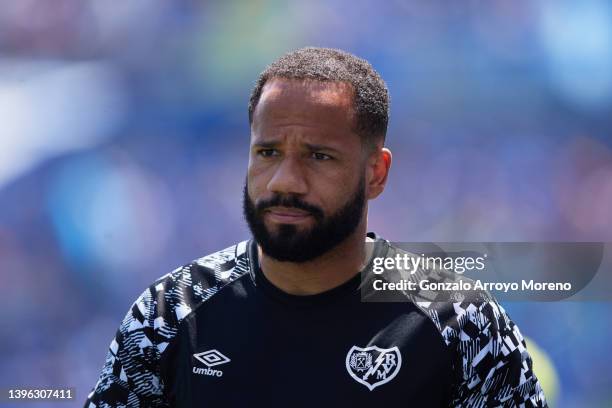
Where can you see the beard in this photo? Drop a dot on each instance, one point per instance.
(290, 244)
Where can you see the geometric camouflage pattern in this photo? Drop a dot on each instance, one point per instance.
(491, 361)
(492, 366)
(131, 374)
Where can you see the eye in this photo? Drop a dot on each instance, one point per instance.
(267, 152)
(321, 156)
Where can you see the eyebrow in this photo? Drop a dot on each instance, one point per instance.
(266, 145)
(310, 146)
(321, 147)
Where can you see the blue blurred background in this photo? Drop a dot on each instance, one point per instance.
(124, 140)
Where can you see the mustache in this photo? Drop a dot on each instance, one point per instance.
(289, 201)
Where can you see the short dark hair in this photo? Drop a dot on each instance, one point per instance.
(371, 97)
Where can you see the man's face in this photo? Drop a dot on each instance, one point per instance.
(305, 190)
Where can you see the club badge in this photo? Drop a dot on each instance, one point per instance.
(373, 366)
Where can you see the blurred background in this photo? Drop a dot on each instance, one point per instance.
(124, 140)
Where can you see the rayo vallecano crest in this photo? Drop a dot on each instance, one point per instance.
(373, 366)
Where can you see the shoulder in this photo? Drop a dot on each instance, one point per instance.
(176, 294)
(131, 374)
(460, 312)
(156, 314)
(491, 364)
(205, 275)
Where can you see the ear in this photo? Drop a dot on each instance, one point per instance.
(378, 165)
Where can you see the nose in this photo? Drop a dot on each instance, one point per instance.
(288, 178)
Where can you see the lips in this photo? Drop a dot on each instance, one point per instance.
(286, 215)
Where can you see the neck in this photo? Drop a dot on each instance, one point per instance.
(326, 272)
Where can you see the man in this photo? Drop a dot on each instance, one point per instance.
(278, 320)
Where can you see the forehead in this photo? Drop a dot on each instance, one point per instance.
(307, 103)
(325, 93)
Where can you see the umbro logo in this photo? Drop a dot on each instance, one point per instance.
(210, 358)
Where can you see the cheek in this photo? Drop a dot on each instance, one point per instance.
(335, 194)
(257, 180)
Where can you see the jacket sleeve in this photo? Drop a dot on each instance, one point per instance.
(492, 364)
(139, 355)
(130, 376)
